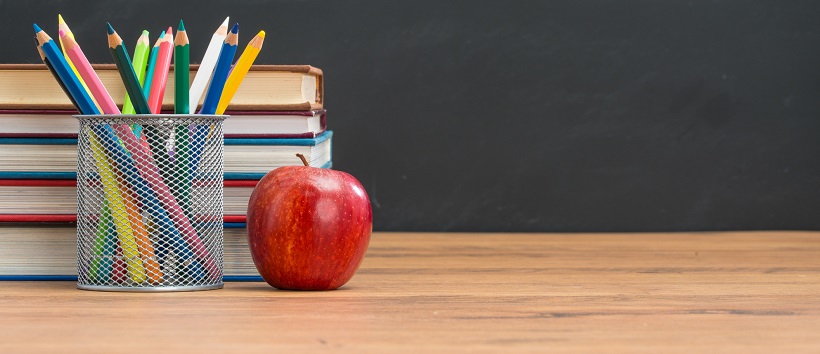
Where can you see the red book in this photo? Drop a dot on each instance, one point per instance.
(55, 200)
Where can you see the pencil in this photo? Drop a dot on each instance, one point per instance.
(64, 72)
(141, 51)
(119, 212)
(62, 26)
(56, 77)
(151, 66)
(89, 75)
(223, 66)
(163, 65)
(181, 70)
(240, 70)
(100, 269)
(127, 73)
(144, 246)
(206, 66)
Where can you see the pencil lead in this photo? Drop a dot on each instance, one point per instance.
(37, 28)
(181, 26)
(235, 28)
(261, 34)
(60, 19)
(110, 29)
(226, 21)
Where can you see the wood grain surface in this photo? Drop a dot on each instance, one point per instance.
(481, 293)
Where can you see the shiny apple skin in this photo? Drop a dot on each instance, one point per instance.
(308, 228)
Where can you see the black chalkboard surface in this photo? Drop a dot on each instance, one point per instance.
(567, 115)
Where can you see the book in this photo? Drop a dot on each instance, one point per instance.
(49, 251)
(266, 87)
(242, 124)
(244, 158)
(58, 196)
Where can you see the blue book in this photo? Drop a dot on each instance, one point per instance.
(56, 158)
(54, 246)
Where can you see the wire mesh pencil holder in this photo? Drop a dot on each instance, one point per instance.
(150, 202)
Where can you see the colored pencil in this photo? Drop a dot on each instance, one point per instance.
(56, 77)
(64, 72)
(62, 26)
(100, 269)
(119, 211)
(166, 51)
(240, 70)
(89, 75)
(182, 60)
(141, 51)
(223, 67)
(181, 102)
(144, 246)
(151, 66)
(127, 73)
(206, 66)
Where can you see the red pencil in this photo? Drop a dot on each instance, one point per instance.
(164, 56)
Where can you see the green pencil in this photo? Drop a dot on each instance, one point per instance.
(181, 72)
(126, 69)
(140, 60)
(181, 103)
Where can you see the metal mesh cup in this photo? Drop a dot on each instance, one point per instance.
(149, 195)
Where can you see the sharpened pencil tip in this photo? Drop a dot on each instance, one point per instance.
(181, 26)
(37, 28)
(227, 19)
(60, 19)
(235, 28)
(110, 29)
(145, 33)
(162, 34)
(169, 30)
(261, 34)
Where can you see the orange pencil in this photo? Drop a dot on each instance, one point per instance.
(164, 57)
(144, 245)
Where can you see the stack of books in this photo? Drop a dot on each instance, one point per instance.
(276, 113)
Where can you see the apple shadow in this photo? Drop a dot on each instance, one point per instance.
(264, 287)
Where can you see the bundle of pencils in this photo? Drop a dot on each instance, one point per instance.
(124, 150)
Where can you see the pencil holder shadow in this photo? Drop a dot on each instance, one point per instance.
(149, 202)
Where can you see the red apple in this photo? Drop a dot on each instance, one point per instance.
(308, 228)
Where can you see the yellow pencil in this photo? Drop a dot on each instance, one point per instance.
(118, 212)
(240, 69)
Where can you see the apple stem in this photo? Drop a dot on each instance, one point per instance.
(304, 160)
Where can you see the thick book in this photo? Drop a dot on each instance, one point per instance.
(49, 251)
(59, 196)
(33, 123)
(56, 158)
(266, 87)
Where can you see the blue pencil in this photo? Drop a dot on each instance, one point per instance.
(72, 83)
(223, 68)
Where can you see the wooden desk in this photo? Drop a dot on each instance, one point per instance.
(502, 293)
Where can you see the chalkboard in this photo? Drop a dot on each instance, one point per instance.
(631, 115)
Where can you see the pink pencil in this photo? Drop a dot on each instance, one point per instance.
(164, 56)
(88, 74)
(147, 170)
